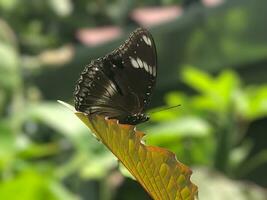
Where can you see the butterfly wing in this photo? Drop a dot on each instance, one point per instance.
(120, 84)
(135, 68)
(96, 93)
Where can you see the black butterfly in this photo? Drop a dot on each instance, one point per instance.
(119, 85)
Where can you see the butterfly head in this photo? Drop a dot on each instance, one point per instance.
(135, 119)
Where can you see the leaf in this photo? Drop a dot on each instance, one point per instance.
(200, 81)
(257, 102)
(188, 126)
(7, 144)
(9, 67)
(189, 137)
(41, 112)
(213, 91)
(40, 185)
(156, 169)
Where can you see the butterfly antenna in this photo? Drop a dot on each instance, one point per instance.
(163, 109)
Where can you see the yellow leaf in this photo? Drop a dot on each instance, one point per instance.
(156, 169)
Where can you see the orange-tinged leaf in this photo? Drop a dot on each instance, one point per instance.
(156, 169)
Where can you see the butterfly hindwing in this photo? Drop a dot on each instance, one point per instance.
(95, 92)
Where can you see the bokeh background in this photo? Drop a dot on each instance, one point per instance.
(212, 58)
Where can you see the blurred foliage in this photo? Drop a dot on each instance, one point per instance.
(45, 152)
(230, 36)
(211, 124)
(36, 151)
(44, 24)
(210, 129)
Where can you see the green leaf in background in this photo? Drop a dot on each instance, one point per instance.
(9, 73)
(189, 137)
(213, 91)
(8, 5)
(41, 112)
(90, 159)
(62, 8)
(7, 145)
(39, 186)
(197, 79)
(257, 104)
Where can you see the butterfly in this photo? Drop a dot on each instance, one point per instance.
(119, 85)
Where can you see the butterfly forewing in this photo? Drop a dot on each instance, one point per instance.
(119, 85)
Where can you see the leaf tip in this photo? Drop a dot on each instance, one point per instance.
(70, 107)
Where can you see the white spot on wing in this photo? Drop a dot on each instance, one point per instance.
(146, 66)
(144, 38)
(150, 70)
(134, 63)
(154, 71)
(150, 43)
(140, 63)
(147, 40)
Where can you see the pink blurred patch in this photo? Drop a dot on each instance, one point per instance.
(148, 17)
(97, 36)
(212, 3)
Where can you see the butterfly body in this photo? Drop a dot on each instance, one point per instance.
(119, 85)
